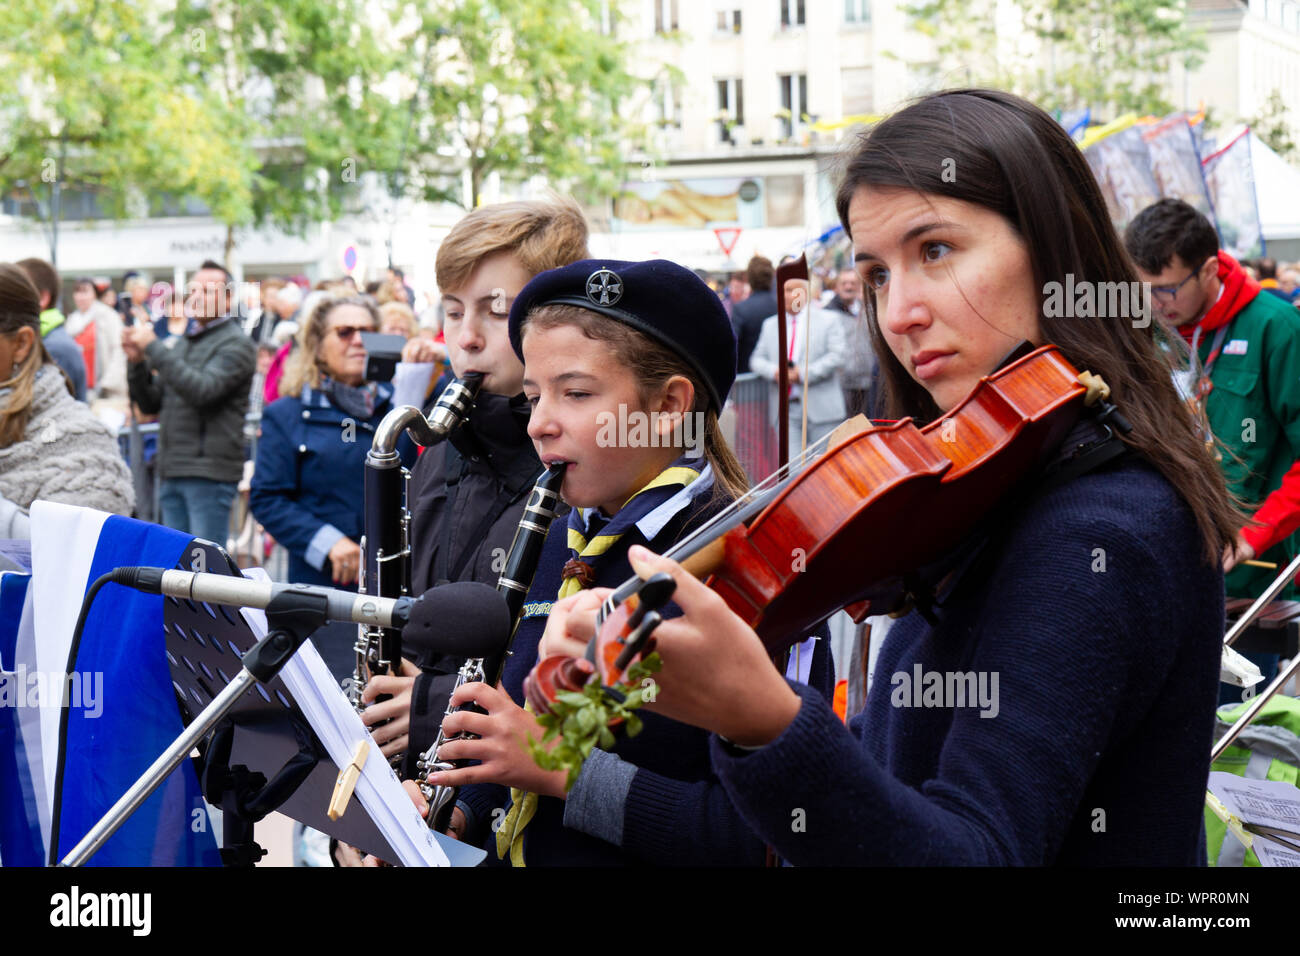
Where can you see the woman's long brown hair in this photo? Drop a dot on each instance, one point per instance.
(1003, 153)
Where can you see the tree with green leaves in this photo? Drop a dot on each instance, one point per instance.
(1111, 55)
(519, 88)
(301, 83)
(88, 101)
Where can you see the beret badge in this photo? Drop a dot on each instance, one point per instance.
(604, 287)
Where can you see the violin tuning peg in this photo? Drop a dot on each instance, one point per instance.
(657, 591)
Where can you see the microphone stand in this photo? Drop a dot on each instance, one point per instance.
(291, 618)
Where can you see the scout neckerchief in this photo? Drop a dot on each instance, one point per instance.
(592, 536)
(589, 540)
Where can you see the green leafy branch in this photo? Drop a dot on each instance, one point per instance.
(581, 719)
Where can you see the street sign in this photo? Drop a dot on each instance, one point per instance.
(727, 239)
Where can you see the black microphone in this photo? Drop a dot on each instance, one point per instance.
(241, 592)
(463, 619)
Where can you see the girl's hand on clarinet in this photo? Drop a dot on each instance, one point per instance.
(455, 826)
(571, 624)
(413, 791)
(392, 737)
(716, 673)
(501, 746)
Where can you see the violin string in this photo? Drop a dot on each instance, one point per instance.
(758, 493)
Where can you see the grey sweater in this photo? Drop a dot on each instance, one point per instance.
(66, 455)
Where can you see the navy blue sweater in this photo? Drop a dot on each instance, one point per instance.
(1103, 624)
(675, 811)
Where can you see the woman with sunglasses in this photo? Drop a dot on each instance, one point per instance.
(307, 484)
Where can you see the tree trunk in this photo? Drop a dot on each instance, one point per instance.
(230, 246)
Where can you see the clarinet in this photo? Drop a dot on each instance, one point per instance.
(516, 577)
(385, 542)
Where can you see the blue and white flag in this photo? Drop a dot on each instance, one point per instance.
(107, 706)
(24, 809)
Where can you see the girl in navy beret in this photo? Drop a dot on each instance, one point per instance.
(626, 368)
(1092, 620)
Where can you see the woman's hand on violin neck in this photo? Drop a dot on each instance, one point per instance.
(572, 624)
(501, 744)
(716, 673)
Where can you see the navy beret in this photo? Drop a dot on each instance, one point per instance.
(665, 301)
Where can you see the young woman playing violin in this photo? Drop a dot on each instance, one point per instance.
(1089, 615)
(626, 366)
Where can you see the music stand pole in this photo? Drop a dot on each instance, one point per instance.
(1278, 682)
(290, 622)
(1256, 706)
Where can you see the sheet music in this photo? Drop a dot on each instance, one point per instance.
(1269, 803)
(1273, 854)
(330, 714)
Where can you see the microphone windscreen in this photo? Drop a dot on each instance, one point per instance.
(463, 619)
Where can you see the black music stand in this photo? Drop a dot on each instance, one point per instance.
(263, 755)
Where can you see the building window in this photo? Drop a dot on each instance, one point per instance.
(728, 21)
(857, 11)
(791, 13)
(731, 107)
(668, 102)
(794, 101)
(665, 15)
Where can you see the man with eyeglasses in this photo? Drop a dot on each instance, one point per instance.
(198, 384)
(1249, 382)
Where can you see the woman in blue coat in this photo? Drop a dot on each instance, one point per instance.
(307, 484)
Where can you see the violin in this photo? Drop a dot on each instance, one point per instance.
(853, 526)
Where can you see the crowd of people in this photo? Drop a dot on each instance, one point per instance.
(1107, 680)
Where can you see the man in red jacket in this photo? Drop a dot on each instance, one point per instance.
(1248, 344)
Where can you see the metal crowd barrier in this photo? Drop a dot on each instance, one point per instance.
(747, 424)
